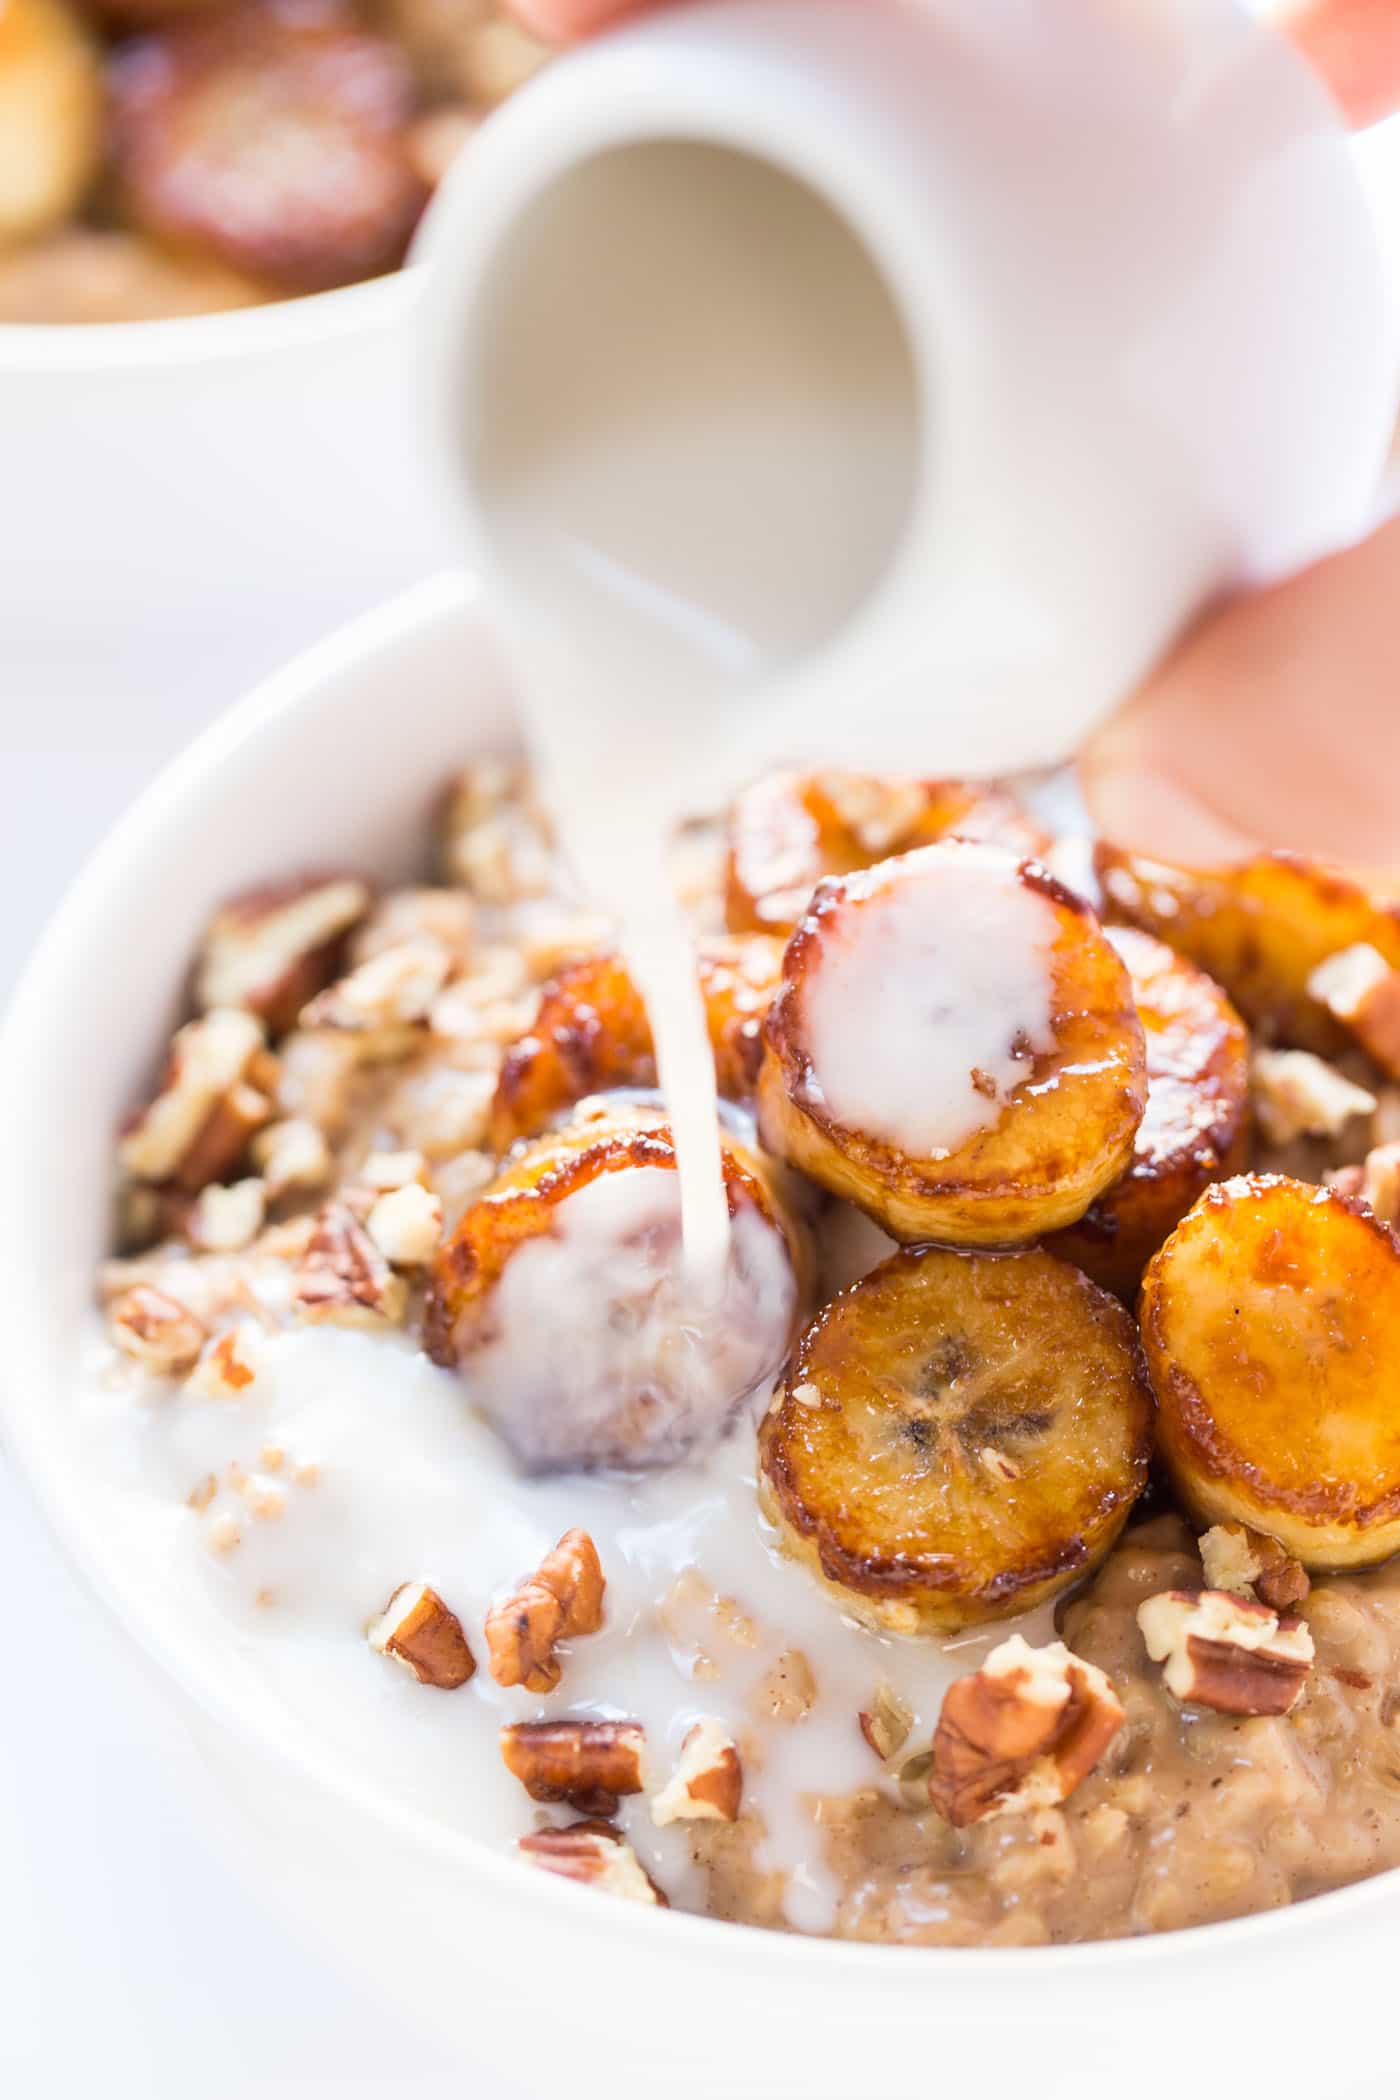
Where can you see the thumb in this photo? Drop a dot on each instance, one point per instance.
(1274, 723)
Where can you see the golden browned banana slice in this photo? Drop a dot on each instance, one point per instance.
(562, 1298)
(1196, 1123)
(50, 116)
(87, 274)
(789, 830)
(1271, 1324)
(1260, 928)
(959, 1437)
(274, 138)
(954, 1048)
(591, 1033)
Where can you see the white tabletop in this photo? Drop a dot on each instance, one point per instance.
(137, 1959)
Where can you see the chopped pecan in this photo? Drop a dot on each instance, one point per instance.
(199, 1122)
(227, 1367)
(708, 1782)
(594, 1852)
(886, 1722)
(1250, 1563)
(494, 840)
(1299, 1095)
(417, 1630)
(382, 1171)
(1021, 1732)
(1380, 1182)
(445, 916)
(272, 949)
(1230, 1653)
(226, 1217)
(406, 1225)
(343, 1278)
(292, 1155)
(1360, 988)
(589, 1764)
(157, 1330)
(563, 1598)
(395, 988)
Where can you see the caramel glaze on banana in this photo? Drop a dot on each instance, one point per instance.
(788, 831)
(1196, 1126)
(959, 1437)
(1260, 927)
(1064, 1136)
(1271, 1326)
(591, 1034)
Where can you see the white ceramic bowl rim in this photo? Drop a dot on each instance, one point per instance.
(197, 338)
(28, 1029)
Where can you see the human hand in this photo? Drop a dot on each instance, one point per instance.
(1274, 721)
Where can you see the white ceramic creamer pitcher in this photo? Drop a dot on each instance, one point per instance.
(890, 381)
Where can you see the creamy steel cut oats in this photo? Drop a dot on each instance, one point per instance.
(828, 1593)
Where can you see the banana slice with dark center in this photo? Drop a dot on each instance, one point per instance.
(959, 1437)
(1271, 1324)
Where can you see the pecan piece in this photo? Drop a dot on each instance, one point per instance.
(886, 1722)
(1020, 1733)
(225, 1217)
(589, 1764)
(708, 1782)
(406, 1225)
(417, 1629)
(292, 1155)
(343, 1278)
(198, 1123)
(1299, 1095)
(396, 987)
(157, 1330)
(1226, 1652)
(1360, 988)
(1249, 1563)
(563, 1597)
(594, 1852)
(272, 949)
(227, 1367)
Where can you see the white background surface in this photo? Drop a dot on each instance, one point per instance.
(136, 1959)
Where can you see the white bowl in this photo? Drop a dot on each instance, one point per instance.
(210, 492)
(334, 760)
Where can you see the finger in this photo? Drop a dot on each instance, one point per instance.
(1273, 723)
(565, 21)
(1355, 46)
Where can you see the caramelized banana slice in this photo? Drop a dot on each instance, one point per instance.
(789, 830)
(954, 1048)
(959, 1437)
(1260, 928)
(50, 116)
(1196, 1124)
(591, 1034)
(87, 274)
(562, 1297)
(273, 137)
(1271, 1323)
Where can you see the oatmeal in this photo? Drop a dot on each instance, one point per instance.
(819, 1593)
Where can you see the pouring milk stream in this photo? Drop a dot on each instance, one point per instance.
(793, 416)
